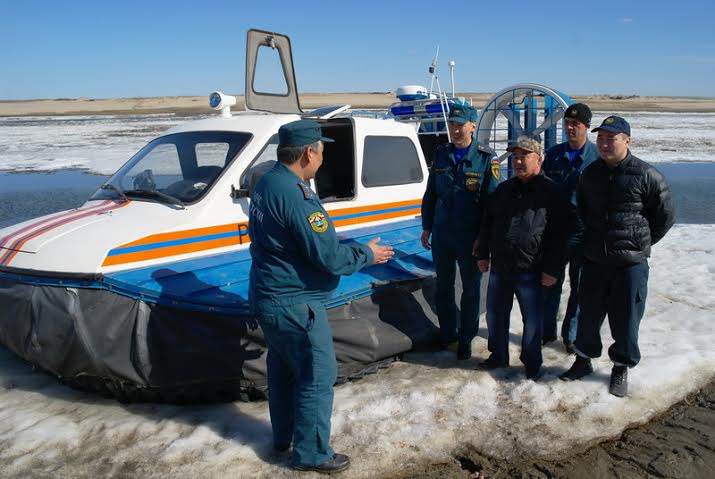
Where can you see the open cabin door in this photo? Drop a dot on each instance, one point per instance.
(270, 78)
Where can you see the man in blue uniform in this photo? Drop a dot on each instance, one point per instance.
(461, 177)
(296, 262)
(564, 163)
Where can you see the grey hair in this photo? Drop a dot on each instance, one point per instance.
(291, 154)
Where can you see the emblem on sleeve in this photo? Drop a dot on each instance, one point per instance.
(471, 184)
(495, 168)
(318, 222)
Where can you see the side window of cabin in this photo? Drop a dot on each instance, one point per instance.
(261, 165)
(390, 160)
(335, 180)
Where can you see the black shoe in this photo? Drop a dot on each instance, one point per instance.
(548, 339)
(281, 447)
(580, 368)
(492, 363)
(338, 463)
(619, 381)
(568, 345)
(464, 352)
(533, 373)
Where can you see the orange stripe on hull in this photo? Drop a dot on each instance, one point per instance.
(167, 251)
(184, 234)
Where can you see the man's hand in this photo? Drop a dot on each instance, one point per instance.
(424, 239)
(475, 247)
(483, 265)
(547, 280)
(381, 254)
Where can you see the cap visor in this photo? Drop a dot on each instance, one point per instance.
(606, 128)
(325, 139)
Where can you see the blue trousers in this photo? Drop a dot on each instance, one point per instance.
(500, 297)
(447, 253)
(301, 373)
(552, 299)
(620, 293)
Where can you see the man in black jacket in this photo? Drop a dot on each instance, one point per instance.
(522, 241)
(626, 207)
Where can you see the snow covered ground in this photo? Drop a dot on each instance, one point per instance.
(416, 411)
(101, 144)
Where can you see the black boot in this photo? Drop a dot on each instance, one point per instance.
(338, 463)
(580, 368)
(619, 381)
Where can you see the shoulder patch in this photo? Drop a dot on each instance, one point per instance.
(318, 222)
(307, 192)
(495, 169)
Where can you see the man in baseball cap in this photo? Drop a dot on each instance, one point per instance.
(627, 208)
(521, 243)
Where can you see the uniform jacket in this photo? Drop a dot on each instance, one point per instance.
(454, 199)
(525, 227)
(296, 254)
(625, 210)
(566, 175)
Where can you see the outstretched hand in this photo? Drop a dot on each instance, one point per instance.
(483, 265)
(380, 253)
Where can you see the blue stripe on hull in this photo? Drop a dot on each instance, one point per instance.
(219, 283)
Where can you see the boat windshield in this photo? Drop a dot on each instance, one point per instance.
(177, 169)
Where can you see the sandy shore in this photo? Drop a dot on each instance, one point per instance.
(199, 104)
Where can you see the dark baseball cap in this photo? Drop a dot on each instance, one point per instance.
(614, 124)
(579, 112)
(462, 114)
(300, 133)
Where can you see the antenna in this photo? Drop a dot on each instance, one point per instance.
(433, 69)
(451, 72)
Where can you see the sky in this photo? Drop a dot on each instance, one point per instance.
(417, 411)
(138, 48)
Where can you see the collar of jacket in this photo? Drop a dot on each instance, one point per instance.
(620, 167)
(467, 156)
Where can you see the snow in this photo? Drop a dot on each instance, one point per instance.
(101, 144)
(419, 410)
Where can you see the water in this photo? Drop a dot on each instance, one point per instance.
(101, 144)
(28, 195)
(50, 164)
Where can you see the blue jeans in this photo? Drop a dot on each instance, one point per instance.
(301, 373)
(500, 297)
(552, 298)
(620, 293)
(447, 253)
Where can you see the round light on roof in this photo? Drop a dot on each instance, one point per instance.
(215, 99)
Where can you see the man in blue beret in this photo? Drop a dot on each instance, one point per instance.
(626, 207)
(564, 163)
(461, 176)
(297, 260)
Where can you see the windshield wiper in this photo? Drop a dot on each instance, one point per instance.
(116, 189)
(158, 194)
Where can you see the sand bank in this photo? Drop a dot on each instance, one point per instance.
(199, 104)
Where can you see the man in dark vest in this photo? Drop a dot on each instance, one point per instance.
(626, 207)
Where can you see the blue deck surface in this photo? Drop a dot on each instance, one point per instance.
(219, 283)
